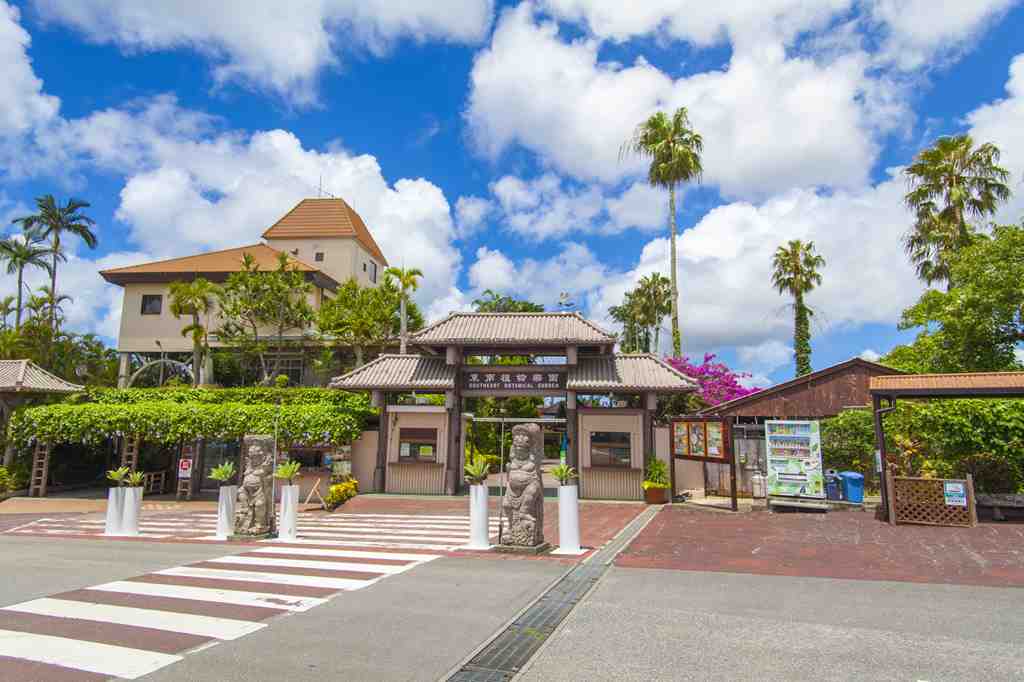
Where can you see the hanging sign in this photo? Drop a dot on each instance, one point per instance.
(185, 468)
(794, 459)
(955, 493)
(514, 379)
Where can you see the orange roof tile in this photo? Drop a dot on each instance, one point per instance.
(325, 218)
(975, 383)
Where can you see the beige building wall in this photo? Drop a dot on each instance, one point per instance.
(343, 257)
(611, 483)
(419, 478)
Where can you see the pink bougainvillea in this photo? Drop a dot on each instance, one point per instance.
(718, 383)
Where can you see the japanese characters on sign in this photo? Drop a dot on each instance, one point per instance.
(514, 379)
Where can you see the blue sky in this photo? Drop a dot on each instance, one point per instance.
(480, 142)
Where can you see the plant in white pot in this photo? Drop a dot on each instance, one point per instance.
(287, 472)
(132, 502)
(476, 472)
(225, 499)
(568, 511)
(115, 501)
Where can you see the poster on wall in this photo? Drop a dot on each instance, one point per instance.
(794, 459)
(703, 439)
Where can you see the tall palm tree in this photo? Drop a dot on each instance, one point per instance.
(194, 298)
(53, 303)
(674, 151)
(51, 223)
(950, 185)
(795, 271)
(655, 294)
(21, 253)
(408, 280)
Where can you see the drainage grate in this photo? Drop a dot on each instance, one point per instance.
(507, 653)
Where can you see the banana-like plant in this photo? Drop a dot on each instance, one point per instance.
(287, 471)
(477, 471)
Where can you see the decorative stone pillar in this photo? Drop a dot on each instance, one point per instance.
(523, 505)
(254, 509)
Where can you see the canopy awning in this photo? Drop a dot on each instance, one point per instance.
(965, 385)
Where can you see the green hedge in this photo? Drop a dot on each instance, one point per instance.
(245, 396)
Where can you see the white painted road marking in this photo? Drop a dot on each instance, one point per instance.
(103, 659)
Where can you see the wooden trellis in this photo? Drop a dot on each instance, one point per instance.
(40, 470)
(923, 501)
(130, 452)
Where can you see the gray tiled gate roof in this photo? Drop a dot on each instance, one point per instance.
(508, 329)
(24, 376)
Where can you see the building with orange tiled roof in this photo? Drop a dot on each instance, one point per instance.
(326, 239)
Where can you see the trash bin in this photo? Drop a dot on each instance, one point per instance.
(833, 485)
(853, 486)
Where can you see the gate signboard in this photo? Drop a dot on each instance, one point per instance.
(512, 378)
(794, 459)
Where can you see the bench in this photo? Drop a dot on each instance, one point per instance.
(1000, 501)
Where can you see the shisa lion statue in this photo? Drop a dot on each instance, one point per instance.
(254, 514)
(523, 506)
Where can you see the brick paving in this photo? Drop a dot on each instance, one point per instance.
(848, 545)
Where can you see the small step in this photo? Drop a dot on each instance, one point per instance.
(811, 505)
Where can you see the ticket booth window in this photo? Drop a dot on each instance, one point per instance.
(610, 449)
(417, 445)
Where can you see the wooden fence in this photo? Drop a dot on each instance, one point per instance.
(923, 501)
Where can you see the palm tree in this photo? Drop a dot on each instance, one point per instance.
(20, 254)
(53, 303)
(636, 332)
(51, 223)
(674, 150)
(12, 346)
(193, 298)
(795, 271)
(408, 280)
(949, 185)
(655, 294)
(6, 308)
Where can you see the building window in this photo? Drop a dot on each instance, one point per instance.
(288, 365)
(373, 272)
(152, 304)
(610, 449)
(417, 445)
(319, 256)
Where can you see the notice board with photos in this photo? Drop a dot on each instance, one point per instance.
(703, 439)
(794, 459)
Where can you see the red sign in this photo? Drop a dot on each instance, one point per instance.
(185, 468)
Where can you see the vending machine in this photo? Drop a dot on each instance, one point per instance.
(794, 459)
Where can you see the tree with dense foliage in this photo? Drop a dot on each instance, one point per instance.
(951, 186)
(674, 150)
(795, 270)
(194, 299)
(493, 302)
(654, 293)
(252, 300)
(52, 223)
(22, 252)
(976, 325)
(408, 280)
(6, 310)
(357, 316)
(636, 332)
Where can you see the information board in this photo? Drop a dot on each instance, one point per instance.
(700, 439)
(185, 468)
(794, 459)
(955, 493)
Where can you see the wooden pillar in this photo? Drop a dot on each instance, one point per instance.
(878, 411)
(40, 470)
(572, 431)
(380, 471)
(130, 451)
(453, 470)
(6, 409)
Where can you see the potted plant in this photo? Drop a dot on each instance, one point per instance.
(132, 502)
(115, 501)
(656, 482)
(568, 510)
(225, 499)
(476, 476)
(287, 471)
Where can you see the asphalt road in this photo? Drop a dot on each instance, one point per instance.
(653, 624)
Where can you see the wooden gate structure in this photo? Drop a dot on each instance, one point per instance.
(704, 439)
(924, 501)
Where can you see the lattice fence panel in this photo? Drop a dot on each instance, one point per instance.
(921, 500)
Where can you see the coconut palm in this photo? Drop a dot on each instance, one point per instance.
(795, 271)
(21, 253)
(950, 185)
(408, 280)
(52, 304)
(194, 299)
(51, 223)
(674, 151)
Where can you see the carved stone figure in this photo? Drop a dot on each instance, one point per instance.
(254, 514)
(523, 506)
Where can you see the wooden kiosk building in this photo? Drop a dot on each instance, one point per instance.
(421, 448)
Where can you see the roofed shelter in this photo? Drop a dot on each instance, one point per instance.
(21, 380)
(567, 356)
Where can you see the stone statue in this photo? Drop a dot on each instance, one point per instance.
(254, 514)
(523, 506)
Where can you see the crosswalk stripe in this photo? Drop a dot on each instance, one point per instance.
(299, 563)
(358, 535)
(349, 553)
(258, 576)
(104, 659)
(335, 542)
(358, 530)
(237, 597)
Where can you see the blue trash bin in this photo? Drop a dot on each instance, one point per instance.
(853, 486)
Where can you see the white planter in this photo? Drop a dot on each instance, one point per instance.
(569, 520)
(226, 511)
(286, 529)
(115, 511)
(479, 526)
(132, 507)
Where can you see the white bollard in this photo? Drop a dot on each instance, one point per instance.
(479, 526)
(115, 511)
(286, 529)
(132, 507)
(226, 511)
(568, 521)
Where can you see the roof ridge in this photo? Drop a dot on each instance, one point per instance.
(194, 255)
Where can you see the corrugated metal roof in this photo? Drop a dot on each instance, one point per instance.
(24, 376)
(975, 383)
(634, 372)
(399, 373)
(506, 329)
(331, 217)
(226, 261)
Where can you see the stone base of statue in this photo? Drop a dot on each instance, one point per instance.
(523, 505)
(254, 509)
(542, 548)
